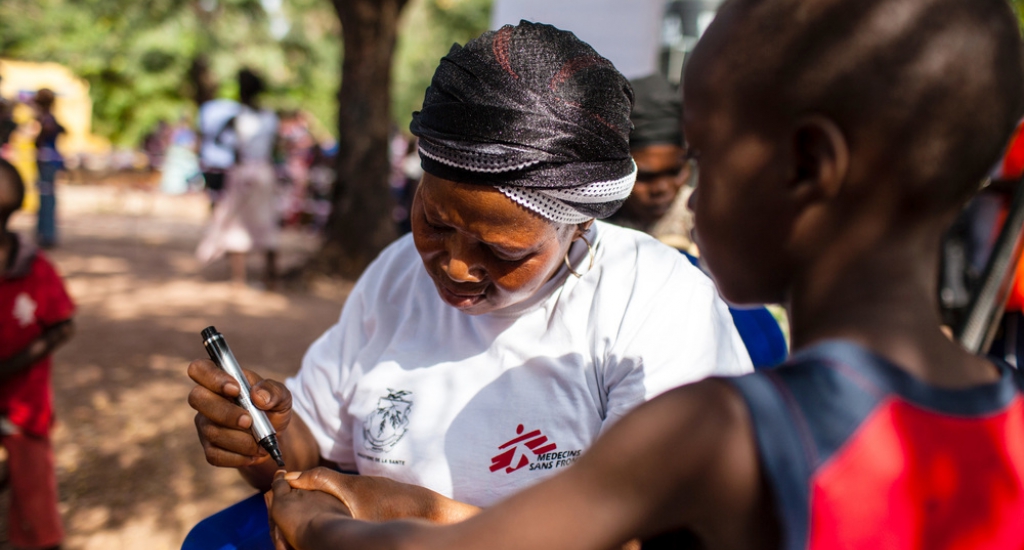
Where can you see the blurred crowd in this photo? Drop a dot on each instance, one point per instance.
(196, 154)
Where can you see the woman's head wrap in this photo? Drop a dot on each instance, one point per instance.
(538, 114)
(656, 114)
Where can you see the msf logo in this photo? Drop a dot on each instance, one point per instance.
(516, 451)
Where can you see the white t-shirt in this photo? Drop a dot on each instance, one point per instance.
(479, 407)
(257, 131)
(214, 115)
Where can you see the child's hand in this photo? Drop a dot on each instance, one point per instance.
(373, 498)
(292, 511)
(223, 426)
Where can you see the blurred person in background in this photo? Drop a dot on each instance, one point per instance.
(7, 124)
(246, 217)
(181, 167)
(155, 144)
(297, 146)
(49, 162)
(657, 205)
(409, 172)
(217, 144)
(35, 319)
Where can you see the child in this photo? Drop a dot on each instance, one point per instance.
(49, 161)
(836, 140)
(35, 318)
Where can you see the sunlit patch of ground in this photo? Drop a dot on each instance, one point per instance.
(130, 469)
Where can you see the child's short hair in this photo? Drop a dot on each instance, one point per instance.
(45, 98)
(12, 192)
(932, 88)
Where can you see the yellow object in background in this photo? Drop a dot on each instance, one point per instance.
(21, 153)
(73, 109)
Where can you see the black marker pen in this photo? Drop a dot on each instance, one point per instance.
(262, 429)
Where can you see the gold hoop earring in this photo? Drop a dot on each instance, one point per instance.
(590, 252)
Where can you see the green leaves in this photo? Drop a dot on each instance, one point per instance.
(428, 30)
(137, 56)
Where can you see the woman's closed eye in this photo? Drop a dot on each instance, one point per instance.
(436, 226)
(506, 256)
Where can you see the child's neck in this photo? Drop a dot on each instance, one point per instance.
(886, 300)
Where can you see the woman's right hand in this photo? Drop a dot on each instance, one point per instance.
(223, 426)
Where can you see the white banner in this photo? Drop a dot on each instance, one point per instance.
(627, 32)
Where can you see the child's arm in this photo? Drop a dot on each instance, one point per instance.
(52, 337)
(683, 461)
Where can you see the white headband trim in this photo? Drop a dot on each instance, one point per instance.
(549, 202)
(468, 168)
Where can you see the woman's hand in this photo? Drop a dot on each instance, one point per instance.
(223, 426)
(374, 498)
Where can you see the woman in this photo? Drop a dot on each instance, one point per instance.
(245, 218)
(488, 349)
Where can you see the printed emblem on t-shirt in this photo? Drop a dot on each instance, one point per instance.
(385, 426)
(24, 310)
(516, 453)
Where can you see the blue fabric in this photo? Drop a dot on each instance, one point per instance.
(46, 221)
(759, 330)
(242, 526)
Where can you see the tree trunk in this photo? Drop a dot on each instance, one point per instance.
(360, 224)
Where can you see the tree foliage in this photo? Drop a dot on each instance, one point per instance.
(138, 57)
(428, 30)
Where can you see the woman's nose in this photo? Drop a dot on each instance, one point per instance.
(461, 266)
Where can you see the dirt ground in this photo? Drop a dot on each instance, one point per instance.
(129, 465)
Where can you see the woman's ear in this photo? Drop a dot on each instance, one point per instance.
(582, 228)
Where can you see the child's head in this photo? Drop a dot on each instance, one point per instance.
(829, 124)
(12, 192)
(44, 99)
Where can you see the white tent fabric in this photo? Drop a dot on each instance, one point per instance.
(627, 32)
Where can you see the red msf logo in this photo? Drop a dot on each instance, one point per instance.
(516, 456)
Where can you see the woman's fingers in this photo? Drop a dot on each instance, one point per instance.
(218, 409)
(205, 373)
(228, 447)
(274, 398)
(328, 481)
(223, 426)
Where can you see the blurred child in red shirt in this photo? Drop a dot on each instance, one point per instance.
(35, 318)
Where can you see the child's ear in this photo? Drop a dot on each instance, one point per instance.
(821, 157)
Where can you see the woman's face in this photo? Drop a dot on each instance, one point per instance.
(483, 251)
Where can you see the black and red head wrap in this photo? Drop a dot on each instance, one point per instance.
(535, 112)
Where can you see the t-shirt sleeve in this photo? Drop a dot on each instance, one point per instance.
(54, 304)
(676, 330)
(319, 389)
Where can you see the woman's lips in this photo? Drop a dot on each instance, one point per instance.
(460, 299)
